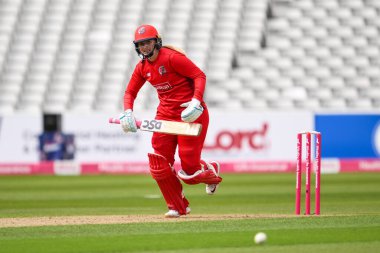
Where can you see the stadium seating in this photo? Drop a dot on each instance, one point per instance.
(324, 47)
(77, 55)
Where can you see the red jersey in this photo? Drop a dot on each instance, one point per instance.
(176, 78)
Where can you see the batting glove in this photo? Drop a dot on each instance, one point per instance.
(193, 110)
(128, 121)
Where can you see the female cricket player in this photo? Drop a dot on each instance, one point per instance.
(180, 85)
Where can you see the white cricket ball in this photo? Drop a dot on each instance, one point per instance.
(260, 238)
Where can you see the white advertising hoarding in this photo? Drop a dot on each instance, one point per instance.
(231, 136)
(19, 138)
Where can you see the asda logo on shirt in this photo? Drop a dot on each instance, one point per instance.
(163, 86)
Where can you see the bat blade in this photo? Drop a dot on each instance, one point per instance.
(165, 126)
(171, 127)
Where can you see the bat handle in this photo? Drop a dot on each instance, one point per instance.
(114, 120)
(117, 121)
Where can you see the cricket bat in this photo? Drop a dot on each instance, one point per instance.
(165, 126)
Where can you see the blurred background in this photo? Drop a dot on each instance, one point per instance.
(278, 66)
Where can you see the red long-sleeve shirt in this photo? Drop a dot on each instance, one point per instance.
(176, 78)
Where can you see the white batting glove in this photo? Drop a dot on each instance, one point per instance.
(193, 110)
(128, 121)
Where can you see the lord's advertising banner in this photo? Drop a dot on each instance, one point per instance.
(255, 136)
(231, 136)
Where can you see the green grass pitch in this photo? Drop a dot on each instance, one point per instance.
(349, 221)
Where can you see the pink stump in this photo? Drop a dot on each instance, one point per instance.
(299, 174)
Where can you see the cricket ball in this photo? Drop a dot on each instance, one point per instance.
(260, 238)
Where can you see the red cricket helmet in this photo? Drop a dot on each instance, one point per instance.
(147, 32)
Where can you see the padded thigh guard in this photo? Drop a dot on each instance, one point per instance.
(168, 182)
(207, 174)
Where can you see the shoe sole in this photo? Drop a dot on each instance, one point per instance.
(217, 170)
(212, 192)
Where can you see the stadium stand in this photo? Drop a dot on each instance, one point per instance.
(77, 55)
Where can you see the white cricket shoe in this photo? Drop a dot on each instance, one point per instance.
(175, 213)
(211, 188)
(215, 167)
